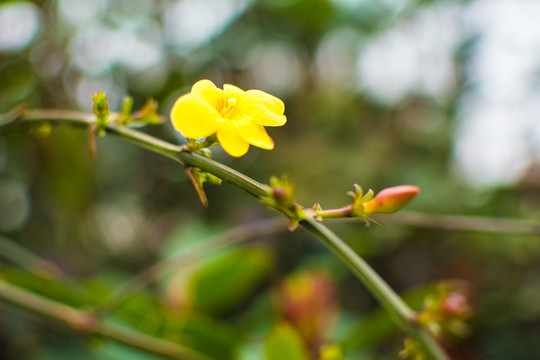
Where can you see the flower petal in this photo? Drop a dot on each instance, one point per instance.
(271, 102)
(195, 117)
(231, 141)
(232, 91)
(209, 92)
(254, 134)
(263, 108)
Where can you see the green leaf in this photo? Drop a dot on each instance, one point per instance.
(189, 235)
(377, 326)
(228, 279)
(111, 350)
(55, 289)
(284, 342)
(204, 334)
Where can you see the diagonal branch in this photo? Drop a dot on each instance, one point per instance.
(375, 284)
(86, 323)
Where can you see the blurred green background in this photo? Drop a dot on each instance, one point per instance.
(440, 94)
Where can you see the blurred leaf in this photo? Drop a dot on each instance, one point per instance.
(258, 315)
(202, 333)
(111, 350)
(17, 83)
(223, 283)
(198, 331)
(284, 342)
(190, 234)
(332, 352)
(374, 328)
(69, 294)
(378, 326)
(144, 312)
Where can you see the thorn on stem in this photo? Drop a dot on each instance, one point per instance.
(92, 131)
(197, 185)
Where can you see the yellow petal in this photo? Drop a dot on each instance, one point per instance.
(271, 102)
(263, 108)
(231, 141)
(232, 91)
(209, 92)
(195, 117)
(254, 134)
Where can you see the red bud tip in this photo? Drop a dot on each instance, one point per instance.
(391, 199)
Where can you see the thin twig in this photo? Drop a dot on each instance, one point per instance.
(27, 260)
(464, 223)
(86, 323)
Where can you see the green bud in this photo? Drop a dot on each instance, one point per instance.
(101, 110)
(280, 195)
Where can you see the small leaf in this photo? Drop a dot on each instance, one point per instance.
(226, 281)
(127, 106)
(284, 342)
(148, 113)
(332, 352)
(368, 195)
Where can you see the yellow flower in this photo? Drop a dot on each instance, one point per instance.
(237, 117)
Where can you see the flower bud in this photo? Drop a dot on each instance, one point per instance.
(456, 305)
(307, 300)
(391, 199)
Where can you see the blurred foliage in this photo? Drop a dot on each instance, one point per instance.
(102, 221)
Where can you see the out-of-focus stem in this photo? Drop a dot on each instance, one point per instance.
(27, 260)
(388, 298)
(465, 223)
(86, 323)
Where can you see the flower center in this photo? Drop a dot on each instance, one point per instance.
(230, 109)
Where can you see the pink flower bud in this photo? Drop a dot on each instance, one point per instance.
(391, 199)
(456, 304)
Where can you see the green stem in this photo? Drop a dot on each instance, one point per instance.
(335, 213)
(19, 255)
(465, 223)
(225, 173)
(388, 298)
(174, 152)
(86, 323)
(374, 283)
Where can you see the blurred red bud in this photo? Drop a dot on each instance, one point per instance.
(307, 300)
(456, 304)
(391, 199)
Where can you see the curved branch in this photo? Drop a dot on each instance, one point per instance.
(374, 283)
